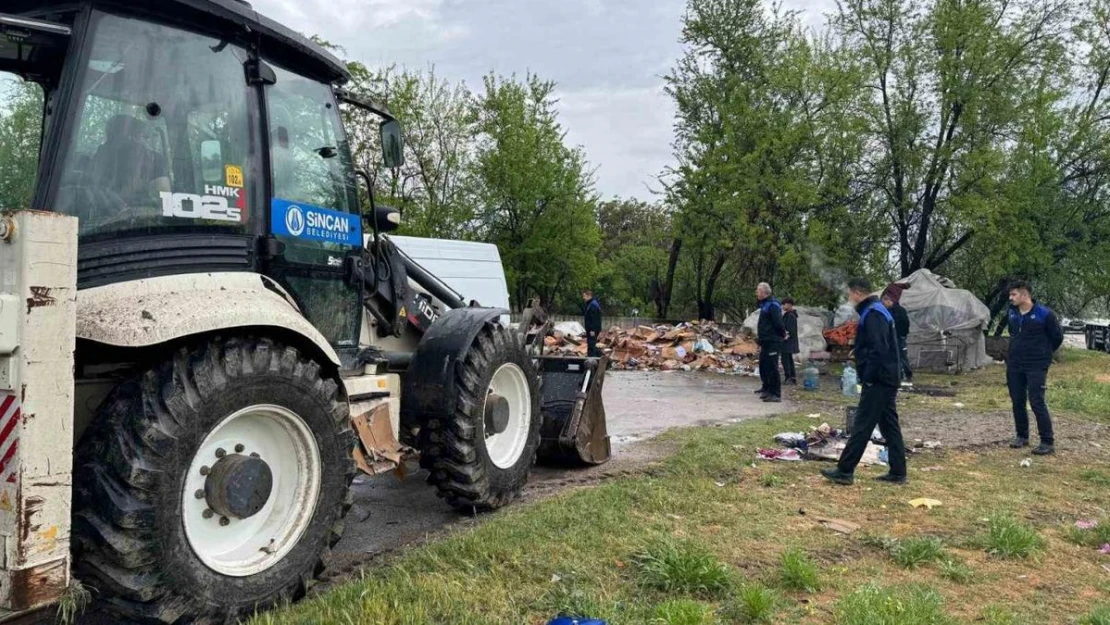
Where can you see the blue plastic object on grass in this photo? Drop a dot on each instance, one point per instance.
(811, 378)
(571, 620)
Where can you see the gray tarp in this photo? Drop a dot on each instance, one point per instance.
(812, 323)
(946, 323)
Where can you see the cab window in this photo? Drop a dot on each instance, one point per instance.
(162, 133)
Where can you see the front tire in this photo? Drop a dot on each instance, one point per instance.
(475, 464)
(170, 521)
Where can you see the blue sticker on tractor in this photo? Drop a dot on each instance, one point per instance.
(304, 221)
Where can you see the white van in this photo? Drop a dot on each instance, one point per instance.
(474, 270)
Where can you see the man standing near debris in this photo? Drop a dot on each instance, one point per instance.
(1035, 334)
(790, 345)
(592, 323)
(770, 334)
(877, 360)
(901, 326)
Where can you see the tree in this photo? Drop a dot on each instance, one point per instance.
(536, 198)
(942, 106)
(635, 240)
(20, 135)
(434, 189)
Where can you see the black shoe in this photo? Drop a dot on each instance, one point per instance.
(792, 382)
(772, 399)
(892, 478)
(760, 391)
(1019, 442)
(1044, 449)
(836, 477)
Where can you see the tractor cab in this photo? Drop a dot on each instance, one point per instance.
(195, 136)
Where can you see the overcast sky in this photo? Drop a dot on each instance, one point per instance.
(607, 56)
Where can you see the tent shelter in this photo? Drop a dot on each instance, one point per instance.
(947, 324)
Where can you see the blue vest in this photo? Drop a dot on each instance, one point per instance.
(882, 310)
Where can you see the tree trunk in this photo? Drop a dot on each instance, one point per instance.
(705, 303)
(663, 292)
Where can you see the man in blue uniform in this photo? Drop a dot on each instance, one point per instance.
(770, 334)
(592, 323)
(1035, 334)
(878, 363)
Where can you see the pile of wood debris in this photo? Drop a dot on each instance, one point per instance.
(696, 346)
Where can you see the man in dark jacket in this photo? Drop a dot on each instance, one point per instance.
(770, 334)
(592, 323)
(877, 359)
(901, 328)
(790, 345)
(1035, 334)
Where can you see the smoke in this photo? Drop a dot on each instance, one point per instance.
(832, 278)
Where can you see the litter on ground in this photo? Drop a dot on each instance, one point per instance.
(837, 525)
(925, 503)
(789, 455)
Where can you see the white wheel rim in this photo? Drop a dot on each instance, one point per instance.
(249, 546)
(505, 448)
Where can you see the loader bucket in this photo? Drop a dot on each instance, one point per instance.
(573, 431)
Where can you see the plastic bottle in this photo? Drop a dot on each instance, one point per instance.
(848, 381)
(811, 378)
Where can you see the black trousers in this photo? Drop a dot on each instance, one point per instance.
(876, 407)
(591, 345)
(1030, 384)
(788, 371)
(907, 373)
(769, 367)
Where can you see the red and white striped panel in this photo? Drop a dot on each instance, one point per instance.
(9, 438)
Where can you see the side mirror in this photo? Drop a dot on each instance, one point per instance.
(387, 218)
(212, 162)
(393, 145)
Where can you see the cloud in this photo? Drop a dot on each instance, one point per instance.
(607, 56)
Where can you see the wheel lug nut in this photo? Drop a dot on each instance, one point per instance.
(239, 448)
(199, 494)
(205, 470)
(208, 514)
(224, 521)
(220, 453)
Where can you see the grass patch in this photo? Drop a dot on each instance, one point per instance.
(753, 604)
(502, 568)
(797, 571)
(770, 480)
(1094, 537)
(684, 612)
(996, 615)
(682, 566)
(1098, 616)
(874, 605)
(955, 570)
(73, 603)
(912, 552)
(1009, 538)
(1098, 478)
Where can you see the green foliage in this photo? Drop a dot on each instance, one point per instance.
(799, 572)
(686, 567)
(955, 570)
(1009, 538)
(915, 551)
(683, 612)
(753, 604)
(20, 130)
(536, 194)
(1098, 616)
(874, 605)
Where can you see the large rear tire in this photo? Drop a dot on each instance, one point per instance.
(475, 464)
(177, 520)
